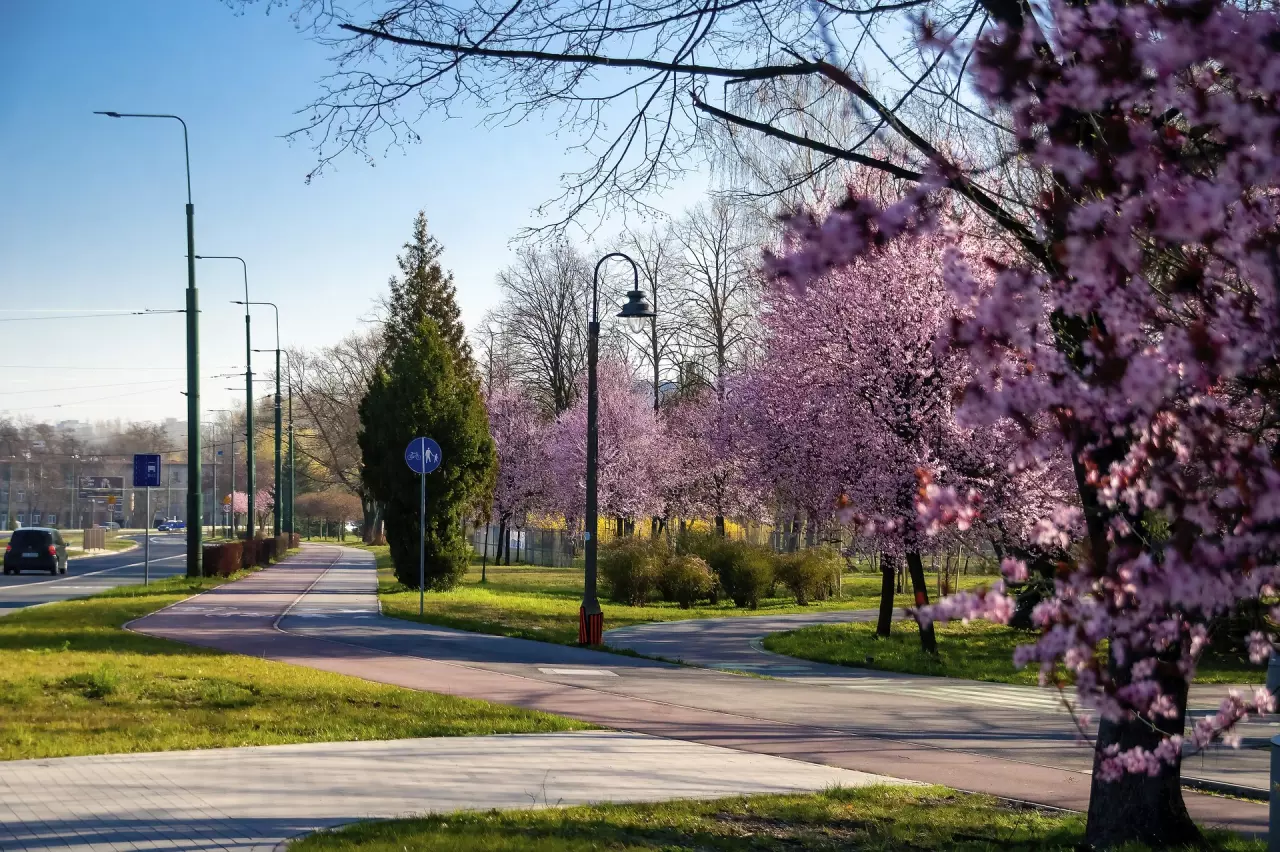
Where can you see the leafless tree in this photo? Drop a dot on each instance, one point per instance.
(543, 321)
(647, 89)
(328, 385)
(717, 256)
(655, 251)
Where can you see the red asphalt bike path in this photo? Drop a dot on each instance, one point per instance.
(280, 614)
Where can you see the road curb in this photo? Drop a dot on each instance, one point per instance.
(1225, 788)
(136, 545)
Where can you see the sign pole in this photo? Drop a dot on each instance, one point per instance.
(146, 546)
(423, 456)
(422, 544)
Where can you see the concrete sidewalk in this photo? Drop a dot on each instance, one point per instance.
(251, 799)
(321, 610)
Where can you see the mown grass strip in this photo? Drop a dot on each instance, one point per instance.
(534, 602)
(976, 651)
(74, 683)
(869, 819)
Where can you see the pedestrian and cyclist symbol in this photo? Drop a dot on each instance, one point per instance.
(422, 455)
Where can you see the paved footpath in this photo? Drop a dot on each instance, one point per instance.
(321, 610)
(252, 799)
(735, 644)
(91, 575)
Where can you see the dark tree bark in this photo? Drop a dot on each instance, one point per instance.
(720, 526)
(1140, 808)
(888, 568)
(915, 567)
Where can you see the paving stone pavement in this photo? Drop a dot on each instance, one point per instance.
(252, 799)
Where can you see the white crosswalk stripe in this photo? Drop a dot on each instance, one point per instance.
(1013, 698)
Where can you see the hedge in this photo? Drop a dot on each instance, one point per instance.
(223, 560)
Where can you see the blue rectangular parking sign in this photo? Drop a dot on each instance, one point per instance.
(146, 470)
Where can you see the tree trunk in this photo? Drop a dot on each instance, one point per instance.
(915, 565)
(503, 535)
(888, 568)
(720, 526)
(1140, 808)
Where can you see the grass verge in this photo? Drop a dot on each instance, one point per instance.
(114, 544)
(976, 651)
(868, 819)
(534, 602)
(73, 683)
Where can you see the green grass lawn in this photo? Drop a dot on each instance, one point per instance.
(977, 651)
(73, 683)
(75, 538)
(869, 819)
(534, 602)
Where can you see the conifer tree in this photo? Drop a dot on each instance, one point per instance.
(424, 289)
(418, 390)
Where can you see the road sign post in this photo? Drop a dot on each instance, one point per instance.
(423, 456)
(146, 473)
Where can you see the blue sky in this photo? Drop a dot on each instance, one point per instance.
(91, 208)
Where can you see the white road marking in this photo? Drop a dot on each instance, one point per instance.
(584, 672)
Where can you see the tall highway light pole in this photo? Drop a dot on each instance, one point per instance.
(195, 496)
(636, 311)
(248, 384)
(214, 506)
(276, 501)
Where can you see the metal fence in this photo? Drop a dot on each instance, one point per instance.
(552, 548)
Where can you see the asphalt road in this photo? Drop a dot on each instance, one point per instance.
(321, 610)
(88, 576)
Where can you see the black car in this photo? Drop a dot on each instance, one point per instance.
(37, 548)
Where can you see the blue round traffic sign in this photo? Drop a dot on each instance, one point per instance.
(422, 455)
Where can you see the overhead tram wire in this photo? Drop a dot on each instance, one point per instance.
(5, 409)
(99, 315)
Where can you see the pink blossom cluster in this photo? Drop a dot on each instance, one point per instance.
(520, 439)
(263, 501)
(634, 457)
(1141, 341)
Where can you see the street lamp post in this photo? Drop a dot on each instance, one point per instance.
(635, 311)
(286, 519)
(72, 521)
(195, 496)
(292, 484)
(215, 504)
(213, 513)
(276, 502)
(248, 384)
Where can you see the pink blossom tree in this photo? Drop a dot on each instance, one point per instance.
(239, 502)
(263, 502)
(853, 355)
(519, 435)
(633, 457)
(710, 471)
(1142, 329)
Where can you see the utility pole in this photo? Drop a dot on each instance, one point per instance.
(277, 507)
(194, 495)
(248, 386)
(233, 485)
